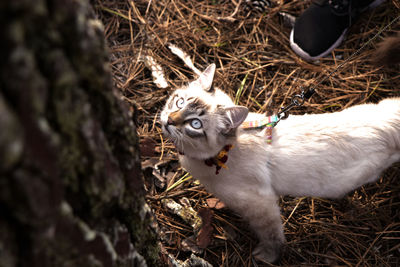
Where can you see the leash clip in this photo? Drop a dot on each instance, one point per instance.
(297, 101)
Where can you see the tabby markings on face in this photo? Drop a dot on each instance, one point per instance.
(188, 116)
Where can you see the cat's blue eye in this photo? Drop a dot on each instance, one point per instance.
(180, 102)
(196, 124)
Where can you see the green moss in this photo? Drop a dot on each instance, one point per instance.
(144, 238)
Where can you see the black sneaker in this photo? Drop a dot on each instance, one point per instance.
(323, 26)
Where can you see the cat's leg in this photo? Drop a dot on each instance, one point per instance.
(265, 220)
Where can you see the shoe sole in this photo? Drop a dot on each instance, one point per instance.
(306, 56)
(303, 54)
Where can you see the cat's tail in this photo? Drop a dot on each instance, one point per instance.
(388, 52)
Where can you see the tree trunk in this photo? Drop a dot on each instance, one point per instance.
(71, 190)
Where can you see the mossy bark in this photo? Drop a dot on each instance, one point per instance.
(71, 190)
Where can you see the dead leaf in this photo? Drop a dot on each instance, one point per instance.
(156, 71)
(204, 237)
(188, 214)
(215, 203)
(184, 57)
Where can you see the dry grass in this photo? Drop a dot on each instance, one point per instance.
(363, 228)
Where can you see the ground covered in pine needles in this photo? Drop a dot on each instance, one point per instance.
(256, 66)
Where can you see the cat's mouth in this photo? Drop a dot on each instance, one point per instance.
(166, 127)
(170, 131)
(173, 134)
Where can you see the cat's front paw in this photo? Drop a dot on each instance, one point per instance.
(267, 253)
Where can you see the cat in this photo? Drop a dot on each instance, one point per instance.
(324, 155)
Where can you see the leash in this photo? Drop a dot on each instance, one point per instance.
(299, 99)
(268, 122)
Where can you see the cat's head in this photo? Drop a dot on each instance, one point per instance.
(201, 119)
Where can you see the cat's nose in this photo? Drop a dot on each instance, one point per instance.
(175, 118)
(170, 121)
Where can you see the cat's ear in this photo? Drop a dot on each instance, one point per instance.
(206, 79)
(235, 116)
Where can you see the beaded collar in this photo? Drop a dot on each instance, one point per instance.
(220, 159)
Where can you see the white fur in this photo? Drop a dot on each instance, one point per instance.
(325, 155)
(328, 155)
